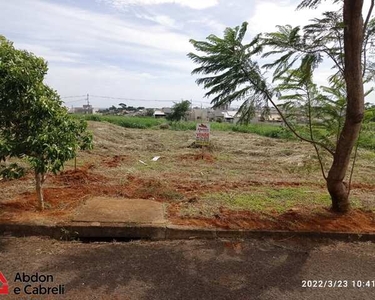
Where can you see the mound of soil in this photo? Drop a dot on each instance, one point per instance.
(115, 161)
(321, 219)
(79, 176)
(147, 188)
(198, 156)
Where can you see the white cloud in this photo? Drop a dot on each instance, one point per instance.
(124, 55)
(117, 82)
(215, 25)
(194, 4)
(268, 14)
(49, 54)
(83, 29)
(160, 19)
(83, 47)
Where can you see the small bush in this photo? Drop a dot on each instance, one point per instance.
(93, 118)
(13, 171)
(183, 126)
(164, 126)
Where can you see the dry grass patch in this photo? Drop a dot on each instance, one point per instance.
(243, 175)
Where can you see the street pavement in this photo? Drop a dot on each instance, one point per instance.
(190, 269)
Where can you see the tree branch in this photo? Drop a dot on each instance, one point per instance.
(366, 37)
(312, 135)
(368, 16)
(334, 60)
(341, 46)
(325, 50)
(283, 117)
(364, 57)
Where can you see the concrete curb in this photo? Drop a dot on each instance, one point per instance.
(76, 230)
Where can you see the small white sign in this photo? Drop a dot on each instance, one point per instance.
(202, 134)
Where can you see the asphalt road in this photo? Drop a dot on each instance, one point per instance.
(220, 269)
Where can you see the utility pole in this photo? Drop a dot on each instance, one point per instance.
(87, 110)
(191, 109)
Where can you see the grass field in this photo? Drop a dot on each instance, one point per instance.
(367, 138)
(268, 130)
(246, 181)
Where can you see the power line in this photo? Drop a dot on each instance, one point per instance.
(66, 97)
(126, 99)
(143, 100)
(133, 99)
(80, 100)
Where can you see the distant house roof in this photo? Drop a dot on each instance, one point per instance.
(159, 113)
(230, 114)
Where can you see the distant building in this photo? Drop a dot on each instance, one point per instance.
(224, 115)
(231, 116)
(274, 115)
(159, 114)
(166, 110)
(199, 115)
(85, 109)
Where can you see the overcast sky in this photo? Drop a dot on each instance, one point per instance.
(134, 49)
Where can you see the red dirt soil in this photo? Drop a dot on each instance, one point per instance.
(76, 186)
(198, 156)
(294, 220)
(115, 161)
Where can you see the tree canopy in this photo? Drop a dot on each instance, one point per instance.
(33, 123)
(179, 111)
(231, 72)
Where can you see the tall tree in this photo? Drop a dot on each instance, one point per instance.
(237, 76)
(355, 41)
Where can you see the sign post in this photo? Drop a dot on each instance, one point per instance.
(202, 136)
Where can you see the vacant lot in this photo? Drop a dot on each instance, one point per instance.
(245, 180)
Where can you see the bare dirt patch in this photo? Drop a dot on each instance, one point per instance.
(198, 156)
(115, 161)
(321, 219)
(239, 164)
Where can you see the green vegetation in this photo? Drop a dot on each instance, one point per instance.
(179, 111)
(230, 70)
(367, 138)
(33, 123)
(127, 122)
(261, 199)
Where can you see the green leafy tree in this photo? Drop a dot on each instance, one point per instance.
(234, 74)
(123, 106)
(370, 112)
(149, 112)
(33, 123)
(179, 111)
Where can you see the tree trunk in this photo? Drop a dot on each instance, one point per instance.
(353, 40)
(39, 190)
